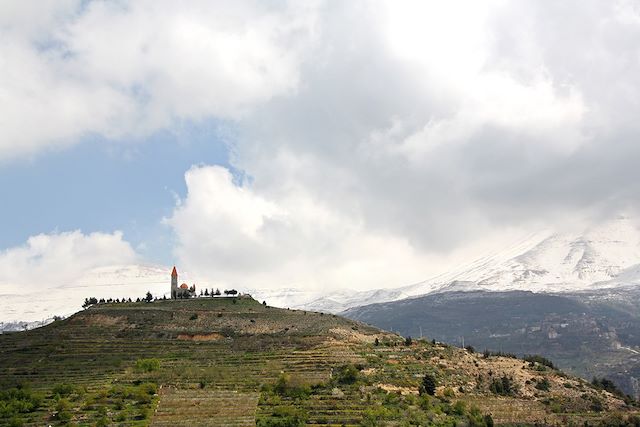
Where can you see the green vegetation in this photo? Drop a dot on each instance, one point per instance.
(16, 402)
(428, 385)
(503, 386)
(147, 365)
(536, 358)
(543, 385)
(573, 330)
(246, 364)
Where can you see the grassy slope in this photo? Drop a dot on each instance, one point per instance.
(226, 363)
(582, 333)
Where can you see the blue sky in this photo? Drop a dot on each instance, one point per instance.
(320, 145)
(105, 185)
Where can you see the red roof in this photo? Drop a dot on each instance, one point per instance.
(174, 272)
(184, 286)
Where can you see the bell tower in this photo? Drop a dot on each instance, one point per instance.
(174, 283)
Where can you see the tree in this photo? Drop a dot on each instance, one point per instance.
(543, 385)
(377, 342)
(206, 292)
(503, 386)
(149, 297)
(89, 301)
(428, 385)
(217, 291)
(347, 374)
(408, 341)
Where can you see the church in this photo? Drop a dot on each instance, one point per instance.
(182, 291)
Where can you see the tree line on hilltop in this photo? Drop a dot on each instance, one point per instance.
(149, 297)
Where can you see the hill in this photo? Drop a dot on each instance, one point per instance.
(226, 362)
(588, 334)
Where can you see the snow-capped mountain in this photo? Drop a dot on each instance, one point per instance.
(605, 255)
(601, 256)
(65, 299)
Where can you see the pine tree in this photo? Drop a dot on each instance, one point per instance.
(428, 385)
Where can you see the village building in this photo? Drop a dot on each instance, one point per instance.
(182, 291)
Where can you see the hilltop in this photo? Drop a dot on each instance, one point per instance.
(237, 362)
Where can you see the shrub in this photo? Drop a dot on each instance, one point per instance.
(16, 401)
(347, 374)
(503, 386)
(16, 422)
(536, 358)
(543, 385)
(428, 385)
(373, 416)
(286, 387)
(63, 390)
(64, 416)
(284, 416)
(606, 384)
(147, 365)
(459, 408)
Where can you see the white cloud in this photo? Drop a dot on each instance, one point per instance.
(419, 132)
(55, 260)
(231, 235)
(120, 69)
(376, 135)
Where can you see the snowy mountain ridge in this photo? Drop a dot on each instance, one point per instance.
(602, 256)
(605, 255)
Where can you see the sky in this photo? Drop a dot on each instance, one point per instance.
(317, 144)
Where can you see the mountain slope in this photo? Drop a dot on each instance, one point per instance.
(236, 362)
(606, 255)
(602, 256)
(594, 333)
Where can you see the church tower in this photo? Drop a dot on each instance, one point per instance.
(174, 283)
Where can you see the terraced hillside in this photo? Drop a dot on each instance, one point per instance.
(235, 362)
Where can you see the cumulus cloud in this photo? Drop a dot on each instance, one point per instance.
(418, 130)
(229, 234)
(127, 70)
(56, 260)
(377, 138)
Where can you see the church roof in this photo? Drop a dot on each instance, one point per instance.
(174, 272)
(184, 286)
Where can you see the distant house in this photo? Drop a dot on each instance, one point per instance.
(182, 291)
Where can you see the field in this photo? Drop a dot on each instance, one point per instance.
(236, 362)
